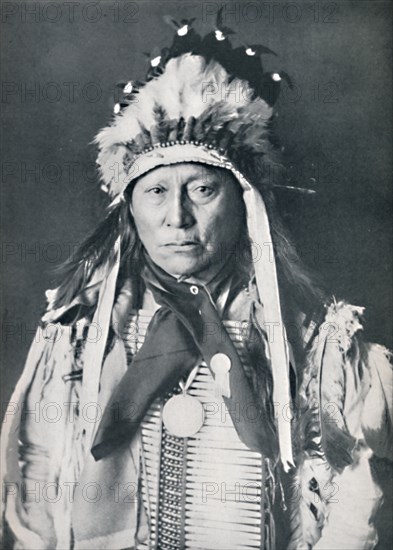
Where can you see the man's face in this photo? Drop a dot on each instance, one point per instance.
(189, 217)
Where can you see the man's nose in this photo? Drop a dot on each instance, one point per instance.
(178, 213)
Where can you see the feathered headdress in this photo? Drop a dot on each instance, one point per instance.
(194, 107)
(200, 93)
(206, 102)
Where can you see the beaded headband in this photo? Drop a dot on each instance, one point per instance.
(166, 154)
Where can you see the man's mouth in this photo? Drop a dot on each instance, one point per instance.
(183, 245)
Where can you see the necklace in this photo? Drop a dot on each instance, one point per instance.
(183, 415)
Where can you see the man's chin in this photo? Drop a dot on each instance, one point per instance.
(186, 270)
(184, 267)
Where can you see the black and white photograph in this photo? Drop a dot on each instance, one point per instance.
(196, 268)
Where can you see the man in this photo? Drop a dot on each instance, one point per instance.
(203, 394)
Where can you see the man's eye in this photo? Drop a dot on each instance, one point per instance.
(204, 190)
(156, 190)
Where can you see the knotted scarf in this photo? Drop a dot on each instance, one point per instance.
(177, 340)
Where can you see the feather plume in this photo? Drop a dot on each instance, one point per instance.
(309, 508)
(327, 358)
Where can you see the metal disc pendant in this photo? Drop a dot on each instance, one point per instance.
(183, 415)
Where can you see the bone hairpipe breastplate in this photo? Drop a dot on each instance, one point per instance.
(206, 491)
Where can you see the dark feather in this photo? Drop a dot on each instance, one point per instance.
(188, 21)
(269, 89)
(338, 444)
(261, 49)
(183, 44)
(226, 31)
(287, 78)
(219, 20)
(188, 128)
(160, 130)
(246, 67)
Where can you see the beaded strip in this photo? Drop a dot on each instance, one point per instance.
(171, 492)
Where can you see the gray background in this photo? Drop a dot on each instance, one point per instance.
(59, 68)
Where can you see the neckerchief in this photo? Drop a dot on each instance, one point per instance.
(186, 329)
